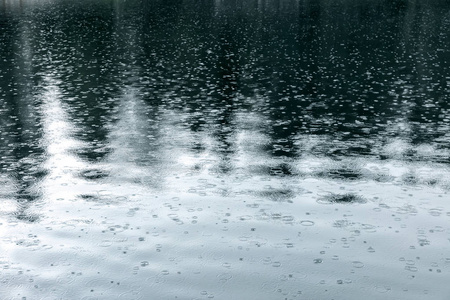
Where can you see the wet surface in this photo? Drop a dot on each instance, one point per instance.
(237, 149)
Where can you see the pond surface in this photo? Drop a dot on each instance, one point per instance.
(226, 149)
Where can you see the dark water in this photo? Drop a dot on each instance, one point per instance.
(267, 146)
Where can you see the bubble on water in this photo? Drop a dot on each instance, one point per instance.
(267, 260)
(144, 263)
(276, 264)
(410, 262)
(369, 228)
(276, 216)
(307, 223)
(435, 212)
(288, 219)
(437, 229)
(357, 264)
(318, 261)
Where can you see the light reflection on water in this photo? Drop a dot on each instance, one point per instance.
(224, 149)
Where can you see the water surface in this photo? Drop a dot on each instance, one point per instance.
(242, 149)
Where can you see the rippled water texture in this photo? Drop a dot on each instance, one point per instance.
(226, 149)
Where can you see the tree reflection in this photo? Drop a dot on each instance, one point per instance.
(227, 87)
(22, 153)
(355, 76)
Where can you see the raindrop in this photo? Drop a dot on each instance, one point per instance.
(267, 260)
(276, 264)
(307, 223)
(144, 263)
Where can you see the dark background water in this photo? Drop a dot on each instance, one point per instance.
(354, 74)
(350, 70)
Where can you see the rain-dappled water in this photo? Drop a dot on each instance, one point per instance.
(226, 149)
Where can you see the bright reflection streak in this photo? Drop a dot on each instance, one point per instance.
(134, 158)
(7, 203)
(187, 160)
(58, 141)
